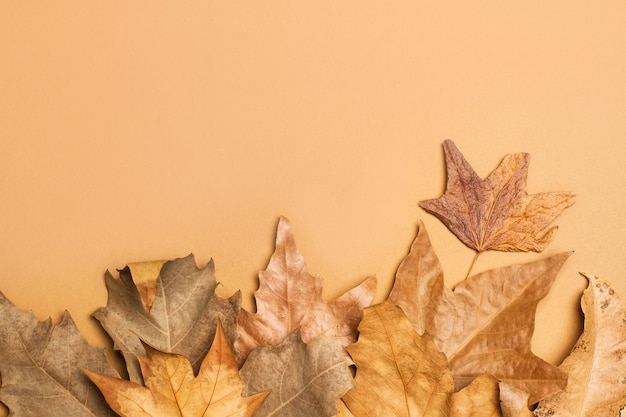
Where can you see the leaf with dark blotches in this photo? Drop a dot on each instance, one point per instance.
(306, 379)
(496, 213)
(485, 324)
(182, 318)
(290, 297)
(401, 373)
(597, 363)
(171, 388)
(40, 367)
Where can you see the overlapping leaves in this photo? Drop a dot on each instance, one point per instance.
(171, 388)
(290, 297)
(429, 354)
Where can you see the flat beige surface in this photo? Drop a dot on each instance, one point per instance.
(132, 131)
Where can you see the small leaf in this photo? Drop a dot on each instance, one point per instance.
(597, 363)
(290, 297)
(145, 276)
(39, 363)
(306, 379)
(171, 389)
(400, 373)
(485, 324)
(496, 213)
(182, 319)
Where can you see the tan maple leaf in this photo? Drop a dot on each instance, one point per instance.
(597, 363)
(400, 373)
(289, 296)
(306, 379)
(496, 213)
(485, 324)
(171, 389)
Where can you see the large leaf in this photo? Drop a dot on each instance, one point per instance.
(597, 363)
(306, 379)
(182, 318)
(400, 373)
(39, 364)
(171, 389)
(486, 323)
(290, 297)
(496, 213)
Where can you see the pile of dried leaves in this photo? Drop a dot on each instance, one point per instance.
(426, 351)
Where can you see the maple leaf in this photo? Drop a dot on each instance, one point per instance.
(597, 362)
(403, 374)
(290, 297)
(171, 388)
(485, 324)
(39, 363)
(182, 318)
(306, 379)
(496, 213)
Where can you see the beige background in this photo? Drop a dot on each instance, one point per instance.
(145, 130)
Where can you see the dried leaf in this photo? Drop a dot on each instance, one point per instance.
(513, 401)
(290, 297)
(486, 323)
(183, 317)
(597, 363)
(306, 379)
(39, 363)
(171, 389)
(400, 373)
(496, 213)
(145, 275)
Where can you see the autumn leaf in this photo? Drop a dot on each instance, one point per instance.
(496, 213)
(182, 318)
(171, 388)
(400, 373)
(306, 379)
(290, 297)
(39, 364)
(513, 401)
(486, 323)
(597, 363)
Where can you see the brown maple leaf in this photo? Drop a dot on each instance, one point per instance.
(175, 312)
(290, 297)
(39, 363)
(496, 213)
(306, 379)
(597, 363)
(400, 373)
(485, 324)
(171, 389)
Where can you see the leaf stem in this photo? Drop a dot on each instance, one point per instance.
(469, 271)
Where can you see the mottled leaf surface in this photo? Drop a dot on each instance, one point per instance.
(40, 367)
(182, 318)
(485, 324)
(597, 363)
(306, 379)
(172, 390)
(400, 373)
(496, 213)
(290, 297)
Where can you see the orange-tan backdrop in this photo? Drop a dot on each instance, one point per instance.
(136, 130)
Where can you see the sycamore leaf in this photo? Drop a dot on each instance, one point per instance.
(496, 213)
(597, 363)
(400, 373)
(290, 297)
(171, 389)
(513, 401)
(182, 318)
(485, 324)
(39, 363)
(306, 379)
